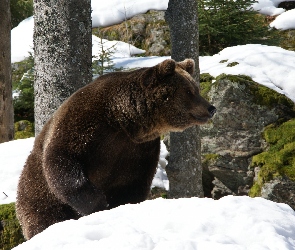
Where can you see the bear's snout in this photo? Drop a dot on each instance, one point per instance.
(212, 110)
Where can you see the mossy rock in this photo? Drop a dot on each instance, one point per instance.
(10, 231)
(261, 94)
(279, 160)
(244, 109)
(147, 31)
(23, 129)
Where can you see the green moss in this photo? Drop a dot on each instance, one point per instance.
(23, 129)
(210, 157)
(235, 78)
(157, 192)
(279, 159)
(206, 77)
(206, 84)
(260, 94)
(255, 191)
(232, 64)
(269, 97)
(11, 235)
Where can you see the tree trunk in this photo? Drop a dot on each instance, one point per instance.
(62, 53)
(6, 105)
(184, 169)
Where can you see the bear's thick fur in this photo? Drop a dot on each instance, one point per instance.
(101, 147)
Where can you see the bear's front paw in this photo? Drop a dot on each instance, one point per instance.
(92, 205)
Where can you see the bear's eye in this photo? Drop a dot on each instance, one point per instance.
(189, 92)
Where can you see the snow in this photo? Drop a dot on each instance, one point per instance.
(115, 11)
(119, 49)
(284, 21)
(12, 158)
(268, 7)
(231, 223)
(271, 66)
(22, 40)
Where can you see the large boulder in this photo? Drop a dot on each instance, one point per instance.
(147, 31)
(244, 109)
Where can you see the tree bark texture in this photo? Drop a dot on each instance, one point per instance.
(6, 104)
(62, 53)
(184, 169)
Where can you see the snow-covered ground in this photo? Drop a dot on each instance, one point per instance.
(231, 223)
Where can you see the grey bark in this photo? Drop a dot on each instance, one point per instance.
(6, 105)
(184, 169)
(62, 53)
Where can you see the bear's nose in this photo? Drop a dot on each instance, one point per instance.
(212, 110)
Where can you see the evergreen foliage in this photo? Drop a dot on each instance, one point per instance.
(20, 10)
(10, 230)
(103, 63)
(225, 23)
(23, 87)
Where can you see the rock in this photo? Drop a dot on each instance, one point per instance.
(287, 5)
(280, 190)
(220, 190)
(147, 31)
(244, 108)
(275, 166)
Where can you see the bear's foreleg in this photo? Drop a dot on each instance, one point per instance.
(66, 179)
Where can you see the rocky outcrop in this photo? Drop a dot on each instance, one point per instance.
(245, 108)
(235, 135)
(146, 31)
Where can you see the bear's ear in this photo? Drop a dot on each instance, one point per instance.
(166, 68)
(188, 65)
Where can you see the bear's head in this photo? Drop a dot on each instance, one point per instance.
(176, 95)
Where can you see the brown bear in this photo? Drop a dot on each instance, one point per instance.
(100, 149)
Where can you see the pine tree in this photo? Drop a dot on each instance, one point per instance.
(20, 10)
(23, 83)
(225, 23)
(103, 63)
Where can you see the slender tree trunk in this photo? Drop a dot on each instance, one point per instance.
(184, 169)
(62, 51)
(6, 105)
